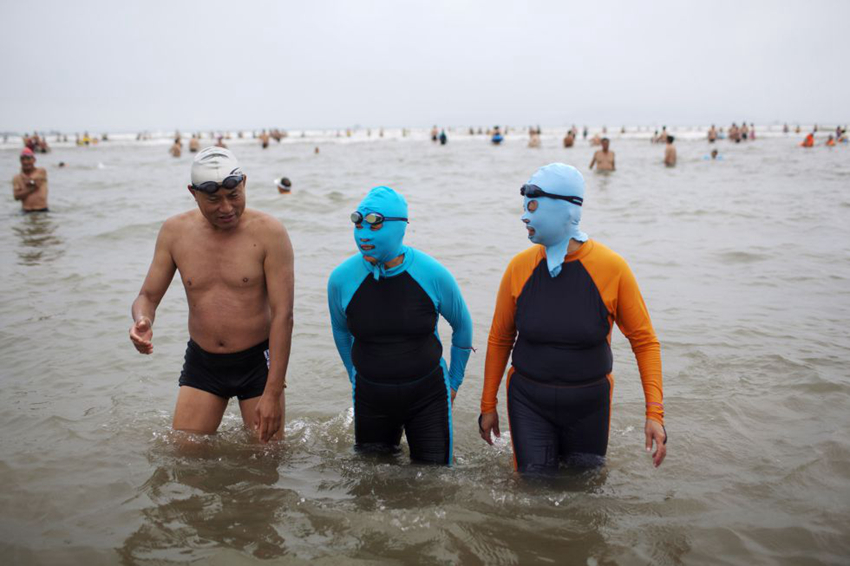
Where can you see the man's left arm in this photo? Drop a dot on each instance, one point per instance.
(278, 267)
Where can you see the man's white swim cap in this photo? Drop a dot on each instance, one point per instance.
(214, 164)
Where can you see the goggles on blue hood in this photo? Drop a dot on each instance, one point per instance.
(533, 191)
(372, 218)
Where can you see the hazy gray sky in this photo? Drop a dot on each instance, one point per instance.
(125, 66)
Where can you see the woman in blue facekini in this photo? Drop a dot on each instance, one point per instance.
(385, 302)
(555, 309)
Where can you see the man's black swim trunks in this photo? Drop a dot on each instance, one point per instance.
(240, 374)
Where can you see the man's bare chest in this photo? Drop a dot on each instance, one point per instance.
(206, 265)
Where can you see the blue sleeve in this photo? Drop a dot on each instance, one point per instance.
(342, 285)
(441, 286)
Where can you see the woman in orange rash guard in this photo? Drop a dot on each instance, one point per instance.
(555, 309)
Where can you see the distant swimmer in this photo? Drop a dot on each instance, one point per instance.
(809, 141)
(603, 158)
(830, 141)
(194, 144)
(596, 140)
(30, 185)
(220, 142)
(713, 156)
(434, 133)
(443, 138)
(670, 152)
(712, 134)
(556, 308)
(284, 185)
(797, 129)
(584, 133)
(236, 265)
(569, 139)
(497, 137)
(752, 132)
(785, 128)
(176, 148)
(316, 150)
(534, 139)
(385, 303)
(745, 131)
(264, 139)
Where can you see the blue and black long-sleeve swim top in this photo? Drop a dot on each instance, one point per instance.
(385, 329)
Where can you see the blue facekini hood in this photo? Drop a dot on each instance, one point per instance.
(556, 221)
(388, 241)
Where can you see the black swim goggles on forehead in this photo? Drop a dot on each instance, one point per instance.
(229, 183)
(372, 218)
(533, 191)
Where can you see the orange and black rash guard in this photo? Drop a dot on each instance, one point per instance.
(559, 328)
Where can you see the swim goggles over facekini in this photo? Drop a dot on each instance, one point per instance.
(372, 218)
(229, 183)
(533, 191)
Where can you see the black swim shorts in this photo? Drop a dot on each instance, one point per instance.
(240, 374)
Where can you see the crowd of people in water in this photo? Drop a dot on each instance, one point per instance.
(30, 185)
(38, 142)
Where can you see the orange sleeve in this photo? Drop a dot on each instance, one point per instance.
(500, 343)
(632, 318)
(620, 293)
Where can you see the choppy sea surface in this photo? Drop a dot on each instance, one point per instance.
(743, 262)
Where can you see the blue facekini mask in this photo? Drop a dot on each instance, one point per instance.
(388, 241)
(555, 222)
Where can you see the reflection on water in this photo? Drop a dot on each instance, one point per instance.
(38, 240)
(210, 494)
(227, 493)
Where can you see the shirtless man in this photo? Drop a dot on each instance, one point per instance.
(712, 134)
(603, 159)
(176, 148)
(264, 139)
(236, 265)
(670, 153)
(194, 144)
(30, 185)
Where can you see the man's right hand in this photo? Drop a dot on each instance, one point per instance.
(489, 423)
(141, 334)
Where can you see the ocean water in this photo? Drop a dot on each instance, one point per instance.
(744, 264)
